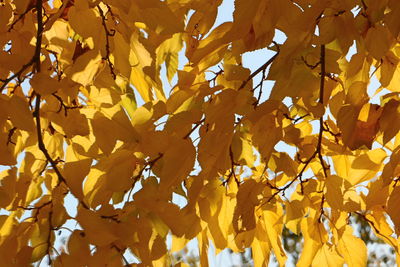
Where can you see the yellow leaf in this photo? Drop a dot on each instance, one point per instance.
(78, 247)
(181, 151)
(99, 230)
(267, 131)
(314, 238)
(273, 220)
(388, 71)
(92, 26)
(6, 152)
(242, 149)
(390, 114)
(203, 248)
(121, 55)
(24, 256)
(119, 171)
(211, 44)
(357, 92)
(128, 99)
(393, 208)
(294, 214)
(5, 15)
(378, 41)
(139, 56)
(21, 6)
(260, 253)
(142, 115)
(158, 16)
(43, 84)
(57, 35)
(141, 84)
(94, 188)
(334, 193)
(203, 18)
(281, 161)
(378, 193)
(20, 114)
(168, 52)
(8, 179)
(358, 169)
(7, 225)
(353, 249)
(381, 227)
(71, 123)
(247, 200)
(243, 16)
(39, 240)
(178, 243)
(34, 190)
(76, 168)
(85, 68)
(105, 138)
(327, 256)
(54, 144)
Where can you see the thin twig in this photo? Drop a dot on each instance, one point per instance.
(321, 101)
(260, 69)
(20, 17)
(372, 224)
(194, 128)
(36, 56)
(49, 246)
(63, 105)
(148, 164)
(261, 88)
(232, 172)
(317, 152)
(36, 114)
(108, 34)
(41, 145)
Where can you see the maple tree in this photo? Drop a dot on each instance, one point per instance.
(70, 126)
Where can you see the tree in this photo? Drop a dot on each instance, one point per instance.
(70, 74)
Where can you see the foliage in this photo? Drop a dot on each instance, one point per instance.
(71, 126)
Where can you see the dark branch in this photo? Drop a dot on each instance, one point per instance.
(372, 224)
(108, 34)
(148, 164)
(321, 101)
(49, 246)
(64, 106)
(36, 56)
(194, 128)
(260, 69)
(41, 145)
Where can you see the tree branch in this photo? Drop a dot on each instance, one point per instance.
(41, 145)
(36, 114)
(317, 152)
(148, 164)
(194, 128)
(108, 34)
(39, 34)
(321, 101)
(257, 71)
(36, 56)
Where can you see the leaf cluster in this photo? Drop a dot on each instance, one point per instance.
(322, 146)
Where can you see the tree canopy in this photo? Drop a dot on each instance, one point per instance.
(96, 107)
